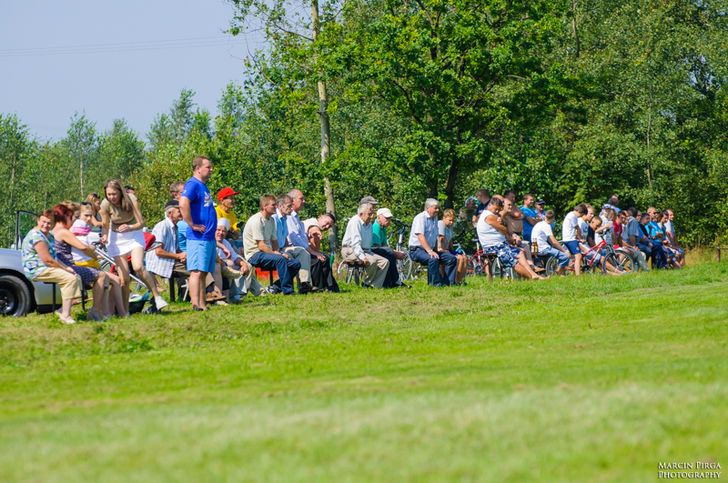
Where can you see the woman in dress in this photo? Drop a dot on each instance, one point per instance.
(99, 281)
(39, 264)
(122, 234)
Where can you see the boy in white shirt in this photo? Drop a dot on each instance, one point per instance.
(547, 243)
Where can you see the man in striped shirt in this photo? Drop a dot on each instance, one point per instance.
(162, 260)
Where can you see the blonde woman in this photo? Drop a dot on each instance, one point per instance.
(122, 234)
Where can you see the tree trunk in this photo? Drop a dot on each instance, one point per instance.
(452, 177)
(81, 176)
(574, 29)
(325, 129)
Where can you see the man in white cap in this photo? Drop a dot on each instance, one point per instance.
(381, 247)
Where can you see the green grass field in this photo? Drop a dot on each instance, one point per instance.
(590, 379)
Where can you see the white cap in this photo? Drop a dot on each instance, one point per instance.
(224, 222)
(384, 212)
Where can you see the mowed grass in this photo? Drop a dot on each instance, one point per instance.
(589, 379)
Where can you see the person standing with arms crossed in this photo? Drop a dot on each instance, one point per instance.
(198, 212)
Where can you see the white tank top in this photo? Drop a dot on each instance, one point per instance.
(487, 234)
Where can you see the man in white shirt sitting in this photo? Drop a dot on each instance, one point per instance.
(357, 246)
(423, 246)
(547, 243)
(492, 234)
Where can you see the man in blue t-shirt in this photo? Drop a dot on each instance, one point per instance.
(530, 217)
(199, 213)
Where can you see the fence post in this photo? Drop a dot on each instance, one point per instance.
(717, 253)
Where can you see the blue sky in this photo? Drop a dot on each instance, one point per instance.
(113, 59)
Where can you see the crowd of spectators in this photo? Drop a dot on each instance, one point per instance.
(218, 259)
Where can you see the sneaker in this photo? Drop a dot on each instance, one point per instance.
(160, 302)
(65, 320)
(273, 289)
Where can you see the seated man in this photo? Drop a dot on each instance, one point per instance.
(571, 234)
(234, 268)
(168, 260)
(322, 277)
(284, 208)
(381, 247)
(260, 244)
(650, 245)
(357, 246)
(423, 246)
(492, 235)
(547, 243)
(444, 244)
(631, 237)
(224, 209)
(512, 219)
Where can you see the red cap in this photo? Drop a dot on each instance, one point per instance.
(225, 192)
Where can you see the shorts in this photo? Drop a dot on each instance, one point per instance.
(201, 255)
(572, 246)
(507, 254)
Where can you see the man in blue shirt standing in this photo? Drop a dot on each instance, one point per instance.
(198, 212)
(530, 217)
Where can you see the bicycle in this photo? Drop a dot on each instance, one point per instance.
(407, 268)
(484, 263)
(610, 258)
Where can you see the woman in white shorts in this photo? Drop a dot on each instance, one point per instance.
(122, 234)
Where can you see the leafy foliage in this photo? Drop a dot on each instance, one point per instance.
(572, 101)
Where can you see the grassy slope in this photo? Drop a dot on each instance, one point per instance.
(595, 378)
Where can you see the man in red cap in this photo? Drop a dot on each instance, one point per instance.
(224, 208)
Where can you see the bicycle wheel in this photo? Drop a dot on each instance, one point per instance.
(405, 268)
(344, 272)
(551, 265)
(475, 266)
(625, 261)
(611, 259)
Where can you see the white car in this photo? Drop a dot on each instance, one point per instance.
(18, 295)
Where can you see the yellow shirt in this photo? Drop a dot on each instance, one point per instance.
(229, 216)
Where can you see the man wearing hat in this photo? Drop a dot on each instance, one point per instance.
(224, 208)
(370, 200)
(166, 259)
(540, 213)
(380, 246)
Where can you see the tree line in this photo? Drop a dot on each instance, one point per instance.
(572, 100)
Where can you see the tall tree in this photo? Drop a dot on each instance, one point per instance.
(81, 143)
(286, 29)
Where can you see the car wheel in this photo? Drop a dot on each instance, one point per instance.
(15, 296)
